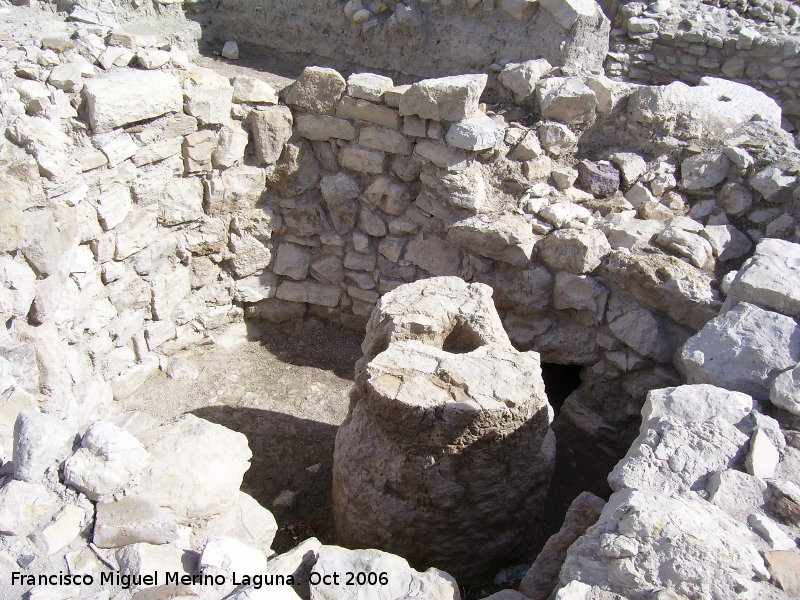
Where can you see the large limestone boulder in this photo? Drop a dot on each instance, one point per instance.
(769, 278)
(442, 408)
(742, 350)
(123, 97)
(444, 99)
(317, 90)
(706, 110)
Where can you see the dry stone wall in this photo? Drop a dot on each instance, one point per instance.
(755, 44)
(417, 38)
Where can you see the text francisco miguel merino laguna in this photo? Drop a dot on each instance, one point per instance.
(127, 581)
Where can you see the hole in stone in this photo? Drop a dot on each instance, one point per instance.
(559, 382)
(461, 339)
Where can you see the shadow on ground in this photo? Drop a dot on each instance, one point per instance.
(289, 453)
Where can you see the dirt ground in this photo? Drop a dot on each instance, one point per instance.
(288, 395)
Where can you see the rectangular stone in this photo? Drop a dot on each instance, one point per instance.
(324, 127)
(441, 155)
(123, 97)
(386, 140)
(354, 108)
(313, 293)
(364, 160)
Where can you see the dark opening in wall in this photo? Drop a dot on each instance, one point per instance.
(559, 382)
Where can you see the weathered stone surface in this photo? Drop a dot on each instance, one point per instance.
(704, 170)
(742, 350)
(271, 128)
(41, 441)
(521, 78)
(324, 127)
(186, 452)
(385, 140)
(475, 134)
(208, 96)
(433, 254)
(389, 195)
(313, 293)
(508, 238)
(785, 391)
(566, 99)
(574, 250)
(542, 577)
(368, 86)
(696, 403)
(444, 99)
(404, 372)
(251, 89)
(664, 543)
(296, 172)
(123, 97)
(25, 506)
(132, 520)
(727, 242)
(317, 90)
(566, 12)
(768, 277)
(690, 245)
(109, 457)
(364, 160)
(340, 192)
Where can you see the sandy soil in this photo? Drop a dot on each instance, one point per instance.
(288, 395)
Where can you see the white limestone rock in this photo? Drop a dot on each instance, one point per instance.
(444, 99)
(131, 520)
(768, 278)
(231, 558)
(127, 96)
(683, 544)
(704, 171)
(507, 238)
(671, 458)
(155, 560)
(566, 12)
(785, 391)
(368, 86)
(208, 96)
(324, 127)
(253, 90)
(109, 457)
(684, 243)
(771, 532)
(763, 457)
(41, 441)
(521, 78)
(475, 134)
(317, 90)
(727, 242)
(696, 403)
(196, 466)
(271, 128)
(244, 519)
(566, 99)
(402, 580)
(738, 494)
(25, 506)
(743, 350)
(574, 250)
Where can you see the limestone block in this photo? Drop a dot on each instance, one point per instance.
(188, 473)
(566, 99)
(521, 78)
(368, 86)
(743, 350)
(768, 277)
(385, 140)
(444, 99)
(231, 144)
(340, 192)
(785, 391)
(292, 260)
(271, 128)
(475, 134)
(696, 403)
(389, 195)
(132, 520)
(197, 150)
(437, 347)
(25, 506)
(182, 202)
(41, 441)
(249, 255)
(574, 250)
(566, 12)
(433, 254)
(508, 238)
(696, 249)
(109, 457)
(297, 170)
(208, 96)
(313, 293)
(354, 108)
(317, 90)
(704, 170)
(363, 160)
(254, 90)
(324, 127)
(680, 543)
(580, 292)
(631, 167)
(123, 97)
(773, 185)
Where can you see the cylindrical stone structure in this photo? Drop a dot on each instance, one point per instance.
(447, 453)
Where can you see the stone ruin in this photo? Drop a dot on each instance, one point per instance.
(511, 192)
(446, 455)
